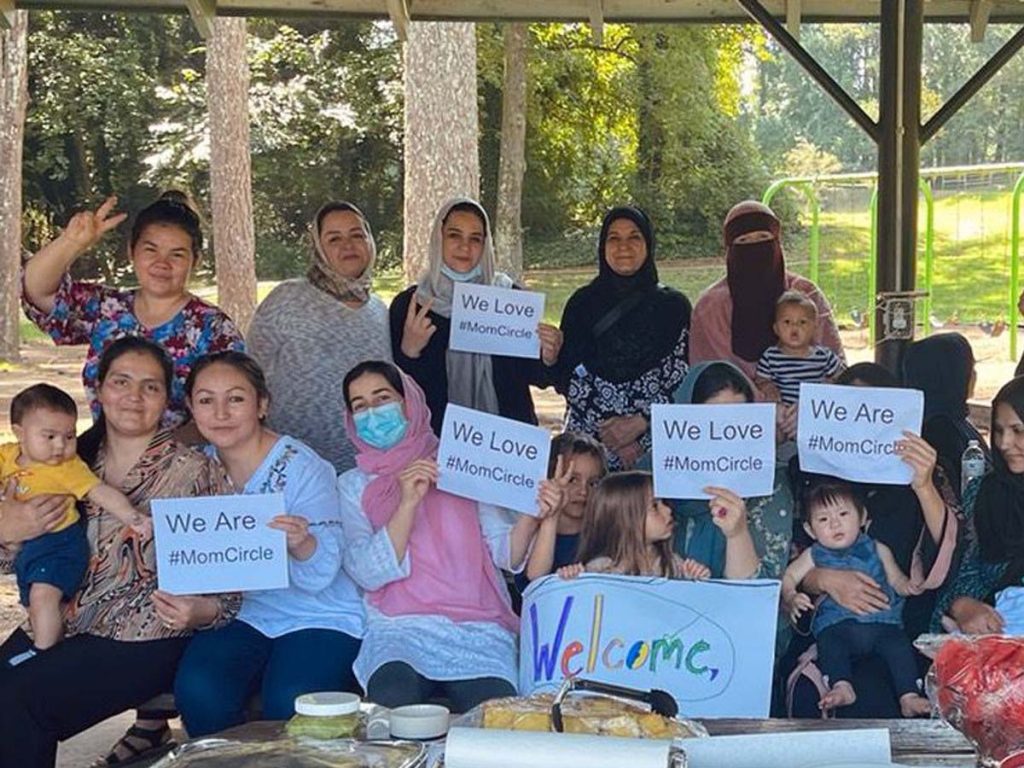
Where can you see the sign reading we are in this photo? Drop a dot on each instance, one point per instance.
(711, 644)
(213, 544)
(496, 321)
(853, 432)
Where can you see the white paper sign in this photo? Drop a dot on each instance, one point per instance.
(215, 544)
(730, 446)
(496, 321)
(492, 459)
(711, 644)
(852, 432)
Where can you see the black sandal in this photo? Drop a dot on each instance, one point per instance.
(157, 741)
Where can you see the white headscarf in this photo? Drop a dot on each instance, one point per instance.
(323, 274)
(470, 375)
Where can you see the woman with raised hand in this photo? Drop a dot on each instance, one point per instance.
(165, 247)
(310, 331)
(439, 618)
(625, 341)
(123, 636)
(284, 642)
(462, 251)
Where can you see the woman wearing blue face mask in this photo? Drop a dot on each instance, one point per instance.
(284, 642)
(462, 251)
(438, 613)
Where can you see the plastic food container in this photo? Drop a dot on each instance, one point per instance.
(325, 715)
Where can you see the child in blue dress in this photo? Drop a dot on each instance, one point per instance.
(835, 519)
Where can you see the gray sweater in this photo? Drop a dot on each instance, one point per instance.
(306, 341)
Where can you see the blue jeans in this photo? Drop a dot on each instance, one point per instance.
(222, 668)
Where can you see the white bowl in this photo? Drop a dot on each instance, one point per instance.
(419, 721)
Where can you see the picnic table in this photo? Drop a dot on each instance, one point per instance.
(914, 742)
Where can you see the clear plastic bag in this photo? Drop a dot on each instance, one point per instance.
(977, 686)
(294, 753)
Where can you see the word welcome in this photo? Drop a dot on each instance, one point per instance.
(730, 446)
(496, 321)
(219, 544)
(710, 644)
(836, 423)
(492, 459)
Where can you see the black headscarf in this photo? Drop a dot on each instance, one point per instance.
(941, 366)
(646, 332)
(999, 507)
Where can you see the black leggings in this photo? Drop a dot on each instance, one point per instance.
(840, 644)
(396, 684)
(79, 682)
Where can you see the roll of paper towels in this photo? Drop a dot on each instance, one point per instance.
(483, 748)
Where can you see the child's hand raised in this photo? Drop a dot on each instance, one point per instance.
(550, 499)
(416, 479)
(728, 511)
(571, 571)
(694, 569)
(798, 605)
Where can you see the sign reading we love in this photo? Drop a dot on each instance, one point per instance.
(496, 321)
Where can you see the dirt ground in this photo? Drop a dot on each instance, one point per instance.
(61, 366)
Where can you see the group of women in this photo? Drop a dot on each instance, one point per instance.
(397, 588)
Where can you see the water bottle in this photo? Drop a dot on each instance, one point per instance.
(972, 464)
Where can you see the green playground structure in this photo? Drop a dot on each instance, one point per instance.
(809, 188)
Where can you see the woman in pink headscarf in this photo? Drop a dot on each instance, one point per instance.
(439, 617)
(733, 318)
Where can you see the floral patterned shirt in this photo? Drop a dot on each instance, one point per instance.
(94, 314)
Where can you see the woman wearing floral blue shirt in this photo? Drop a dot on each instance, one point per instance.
(285, 642)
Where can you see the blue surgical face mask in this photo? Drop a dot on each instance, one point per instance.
(462, 277)
(382, 426)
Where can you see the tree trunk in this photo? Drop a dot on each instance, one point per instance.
(508, 230)
(234, 242)
(13, 102)
(441, 157)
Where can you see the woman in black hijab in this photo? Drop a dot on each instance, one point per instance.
(624, 340)
(942, 367)
(993, 559)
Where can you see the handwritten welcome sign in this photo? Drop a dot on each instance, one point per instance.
(219, 544)
(694, 446)
(852, 432)
(496, 321)
(492, 459)
(709, 643)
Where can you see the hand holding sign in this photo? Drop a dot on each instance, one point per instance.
(418, 328)
(728, 511)
(300, 542)
(550, 343)
(921, 457)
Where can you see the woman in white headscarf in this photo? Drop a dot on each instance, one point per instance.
(462, 251)
(309, 332)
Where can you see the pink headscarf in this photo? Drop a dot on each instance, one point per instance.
(451, 570)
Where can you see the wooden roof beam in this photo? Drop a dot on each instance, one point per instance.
(597, 21)
(6, 14)
(793, 13)
(399, 13)
(980, 12)
(203, 12)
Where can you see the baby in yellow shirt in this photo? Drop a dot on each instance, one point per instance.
(50, 567)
